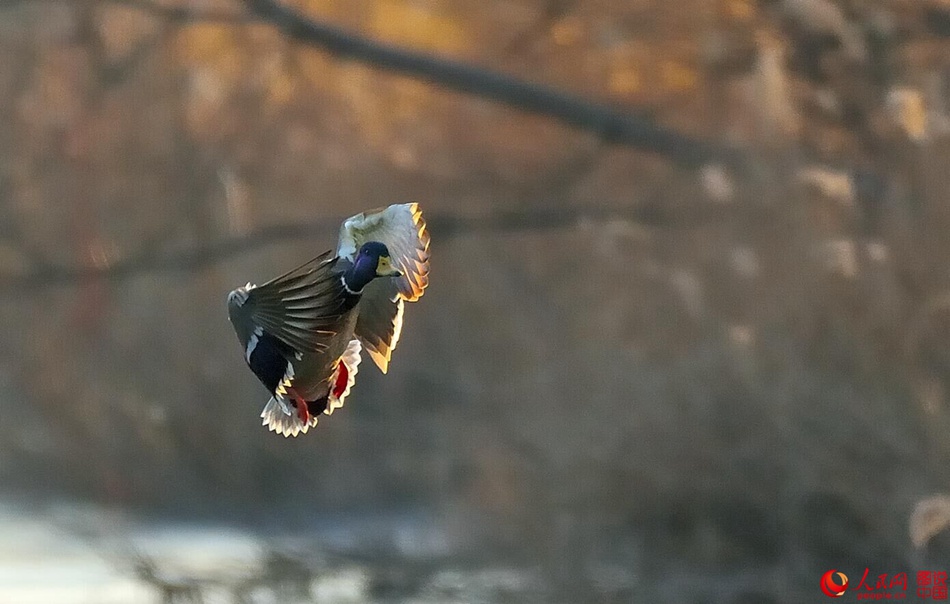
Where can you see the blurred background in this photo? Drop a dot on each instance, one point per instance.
(701, 356)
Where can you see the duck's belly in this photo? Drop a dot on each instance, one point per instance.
(320, 366)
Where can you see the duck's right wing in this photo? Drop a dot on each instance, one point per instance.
(301, 308)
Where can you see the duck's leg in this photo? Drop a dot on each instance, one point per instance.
(302, 412)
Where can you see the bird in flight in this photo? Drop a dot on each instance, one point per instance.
(303, 332)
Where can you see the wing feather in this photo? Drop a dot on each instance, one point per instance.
(305, 320)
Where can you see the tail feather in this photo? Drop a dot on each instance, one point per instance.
(281, 418)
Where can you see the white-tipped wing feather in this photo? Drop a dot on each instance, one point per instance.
(403, 230)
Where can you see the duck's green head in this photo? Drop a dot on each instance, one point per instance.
(374, 258)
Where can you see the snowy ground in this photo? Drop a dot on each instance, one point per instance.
(41, 563)
(70, 555)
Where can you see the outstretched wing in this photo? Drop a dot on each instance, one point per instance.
(403, 230)
(301, 308)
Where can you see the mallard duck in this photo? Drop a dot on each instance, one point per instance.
(303, 333)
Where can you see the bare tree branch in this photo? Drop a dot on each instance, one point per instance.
(612, 125)
(443, 226)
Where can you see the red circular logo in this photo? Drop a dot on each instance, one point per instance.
(832, 588)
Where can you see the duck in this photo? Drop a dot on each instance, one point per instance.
(303, 333)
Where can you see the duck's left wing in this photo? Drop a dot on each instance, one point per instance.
(402, 229)
(379, 323)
